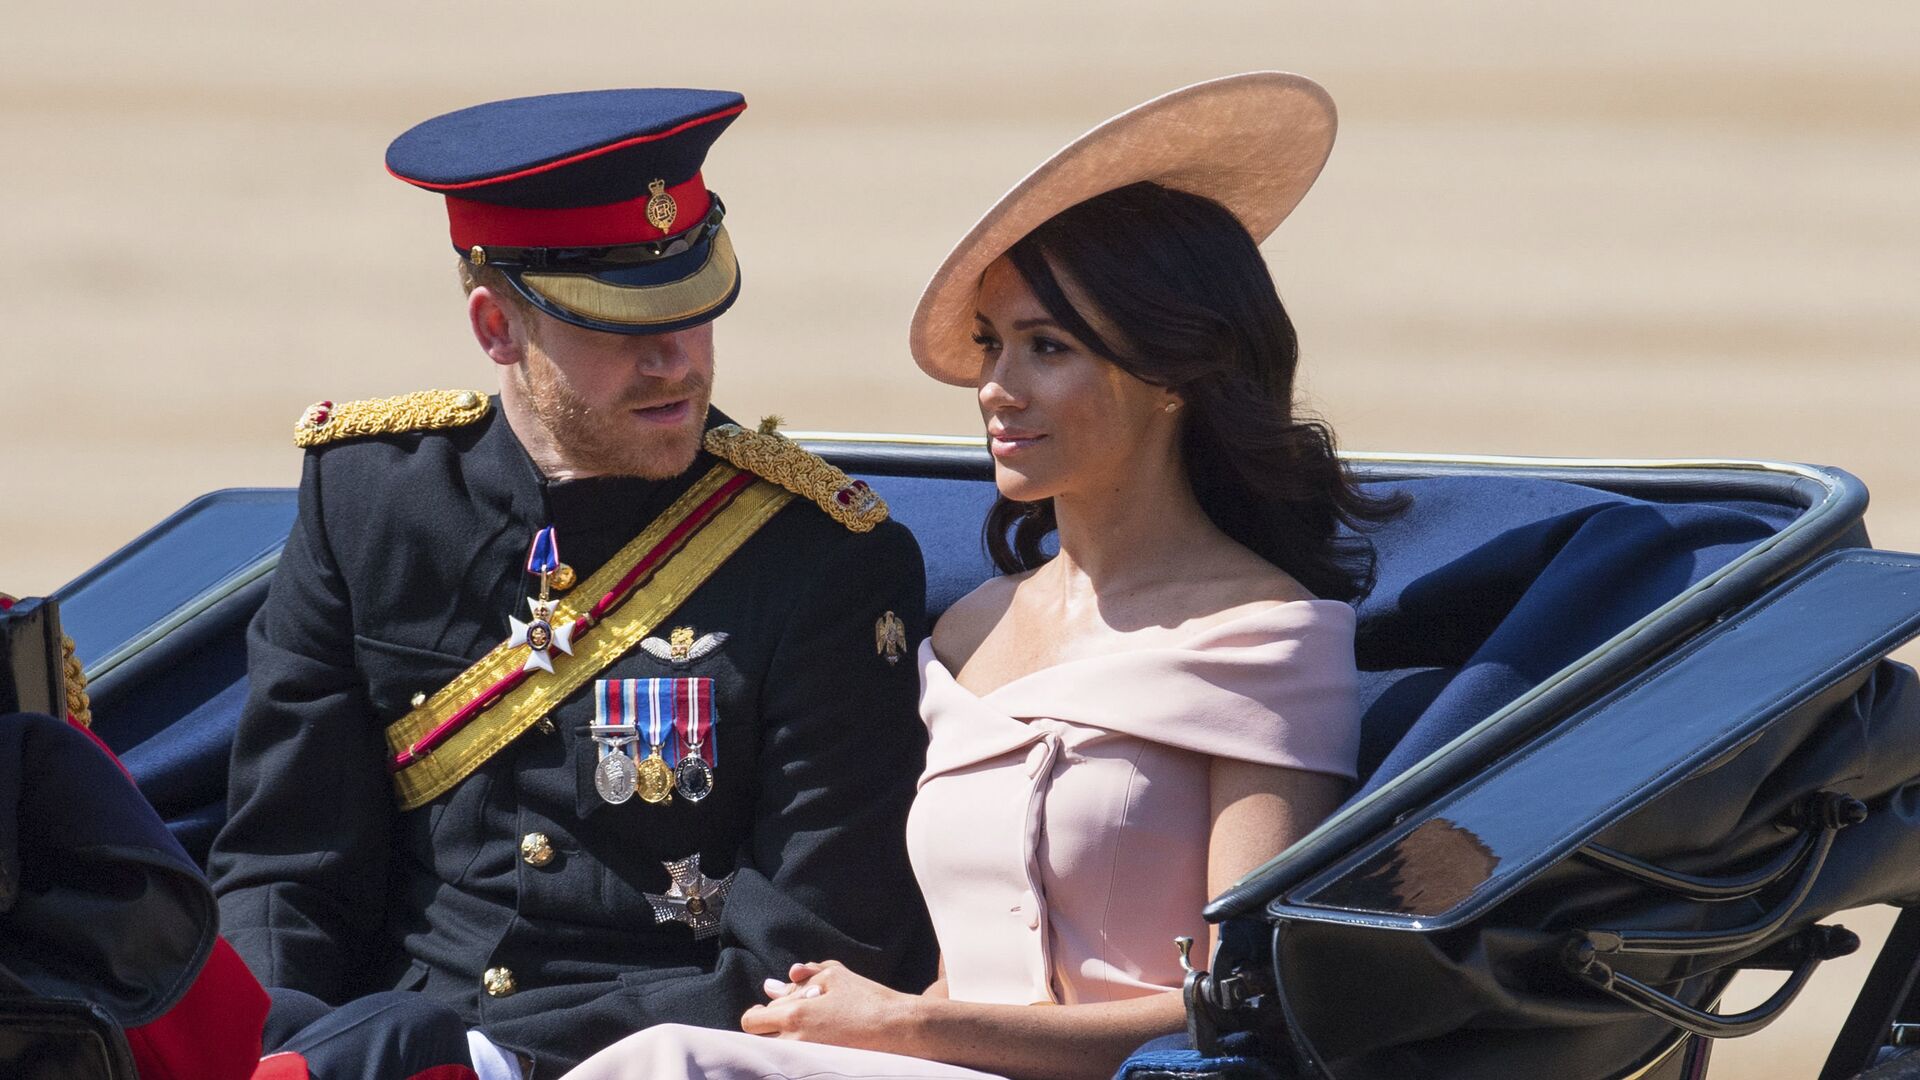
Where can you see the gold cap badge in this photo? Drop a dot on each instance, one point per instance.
(661, 209)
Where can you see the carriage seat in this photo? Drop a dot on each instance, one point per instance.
(1490, 584)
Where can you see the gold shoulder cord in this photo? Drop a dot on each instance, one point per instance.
(79, 705)
(425, 410)
(772, 456)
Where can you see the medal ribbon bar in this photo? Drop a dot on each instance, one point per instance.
(659, 712)
(693, 716)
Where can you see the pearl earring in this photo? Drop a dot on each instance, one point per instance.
(1173, 406)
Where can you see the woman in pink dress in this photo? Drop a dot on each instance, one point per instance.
(1150, 705)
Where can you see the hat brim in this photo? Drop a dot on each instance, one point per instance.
(657, 298)
(1253, 143)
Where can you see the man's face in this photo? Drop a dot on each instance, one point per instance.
(619, 404)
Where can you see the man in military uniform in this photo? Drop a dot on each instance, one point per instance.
(579, 708)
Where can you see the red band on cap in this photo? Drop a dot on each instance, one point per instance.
(480, 224)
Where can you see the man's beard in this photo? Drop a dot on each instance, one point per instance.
(605, 440)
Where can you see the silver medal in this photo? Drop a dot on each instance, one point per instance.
(615, 777)
(693, 778)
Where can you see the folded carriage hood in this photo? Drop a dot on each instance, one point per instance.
(1469, 848)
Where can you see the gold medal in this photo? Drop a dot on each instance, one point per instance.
(655, 782)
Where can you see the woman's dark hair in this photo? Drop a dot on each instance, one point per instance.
(1192, 308)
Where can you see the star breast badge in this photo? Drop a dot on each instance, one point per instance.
(695, 898)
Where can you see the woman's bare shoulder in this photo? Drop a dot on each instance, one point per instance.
(963, 626)
(1242, 584)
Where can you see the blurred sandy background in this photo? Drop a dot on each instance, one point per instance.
(1628, 229)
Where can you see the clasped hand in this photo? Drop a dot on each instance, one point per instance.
(827, 1003)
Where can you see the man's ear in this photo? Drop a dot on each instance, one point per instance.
(495, 326)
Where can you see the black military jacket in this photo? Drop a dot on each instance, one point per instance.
(407, 558)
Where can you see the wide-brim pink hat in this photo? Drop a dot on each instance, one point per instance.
(1253, 143)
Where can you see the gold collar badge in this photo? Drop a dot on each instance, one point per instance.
(890, 637)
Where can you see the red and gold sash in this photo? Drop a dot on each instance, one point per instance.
(486, 707)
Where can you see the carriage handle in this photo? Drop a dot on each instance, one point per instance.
(1824, 814)
(1696, 887)
(1815, 944)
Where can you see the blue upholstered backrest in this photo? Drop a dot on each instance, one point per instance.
(1489, 585)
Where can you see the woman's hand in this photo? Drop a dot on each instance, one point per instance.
(826, 1003)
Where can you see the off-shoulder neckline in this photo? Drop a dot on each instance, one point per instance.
(929, 659)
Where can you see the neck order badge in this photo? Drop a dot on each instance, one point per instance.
(540, 636)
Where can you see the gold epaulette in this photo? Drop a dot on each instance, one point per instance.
(772, 456)
(424, 410)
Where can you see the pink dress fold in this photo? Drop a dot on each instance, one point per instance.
(1060, 830)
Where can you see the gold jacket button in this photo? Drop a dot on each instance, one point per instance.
(499, 982)
(536, 849)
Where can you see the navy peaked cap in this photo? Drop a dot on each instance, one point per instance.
(565, 150)
(591, 203)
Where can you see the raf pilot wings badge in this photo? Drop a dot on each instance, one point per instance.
(682, 648)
